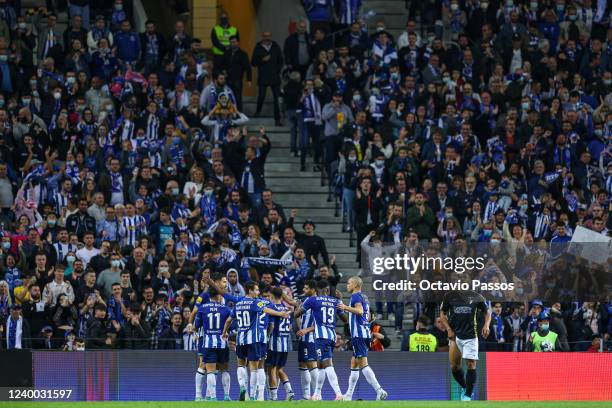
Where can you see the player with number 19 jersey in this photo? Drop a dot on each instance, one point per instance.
(324, 309)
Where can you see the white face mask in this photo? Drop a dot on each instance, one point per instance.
(352, 159)
(454, 6)
(57, 95)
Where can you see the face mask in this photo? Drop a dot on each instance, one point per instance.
(598, 132)
(175, 191)
(534, 4)
(118, 7)
(208, 154)
(379, 29)
(380, 163)
(495, 241)
(1, 103)
(550, 285)
(560, 8)
(519, 291)
(116, 263)
(454, 6)
(524, 207)
(484, 6)
(224, 21)
(525, 105)
(25, 101)
(448, 214)
(607, 82)
(22, 26)
(352, 159)
(51, 223)
(510, 4)
(487, 232)
(545, 326)
(163, 269)
(573, 17)
(33, 82)
(109, 108)
(394, 76)
(70, 80)
(70, 162)
(208, 192)
(6, 245)
(356, 98)
(4, 58)
(57, 95)
(70, 259)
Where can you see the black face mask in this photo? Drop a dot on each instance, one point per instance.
(224, 21)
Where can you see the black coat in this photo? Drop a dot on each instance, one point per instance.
(292, 48)
(80, 224)
(268, 72)
(236, 63)
(26, 338)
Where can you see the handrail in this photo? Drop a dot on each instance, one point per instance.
(140, 16)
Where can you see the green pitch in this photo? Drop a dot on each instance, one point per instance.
(326, 404)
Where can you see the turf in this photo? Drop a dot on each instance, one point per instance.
(284, 404)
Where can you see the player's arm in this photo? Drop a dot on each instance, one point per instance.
(226, 327)
(357, 309)
(342, 316)
(290, 301)
(299, 312)
(303, 332)
(487, 323)
(275, 313)
(444, 321)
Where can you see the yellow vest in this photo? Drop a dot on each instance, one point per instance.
(423, 342)
(223, 35)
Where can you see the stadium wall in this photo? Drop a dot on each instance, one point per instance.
(169, 375)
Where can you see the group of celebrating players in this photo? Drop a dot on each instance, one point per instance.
(263, 323)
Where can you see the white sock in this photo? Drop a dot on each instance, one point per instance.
(370, 377)
(211, 385)
(333, 379)
(288, 388)
(253, 383)
(261, 382)
(199, 380)
(354, 377)
(314, 375)
(242, 377)
(305, 382)
(274, 394)
(226, 379)
(320, 380)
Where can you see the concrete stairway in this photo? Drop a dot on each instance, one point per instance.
(392, 12)
(303, 191)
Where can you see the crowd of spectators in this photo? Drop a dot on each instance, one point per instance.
(127, 179)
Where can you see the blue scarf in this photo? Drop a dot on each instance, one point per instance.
(208, 207)
(12, 333)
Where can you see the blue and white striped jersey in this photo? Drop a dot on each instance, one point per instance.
(307, 321)
(212, 316)
(359, 325)
(247, 313)
(324, 313)
(264, 321)
(281, 333)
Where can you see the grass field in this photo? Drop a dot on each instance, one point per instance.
(284, 404)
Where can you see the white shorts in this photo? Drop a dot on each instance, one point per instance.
(468, 348)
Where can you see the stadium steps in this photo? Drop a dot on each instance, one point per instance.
(303, 191)
(392, 12)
